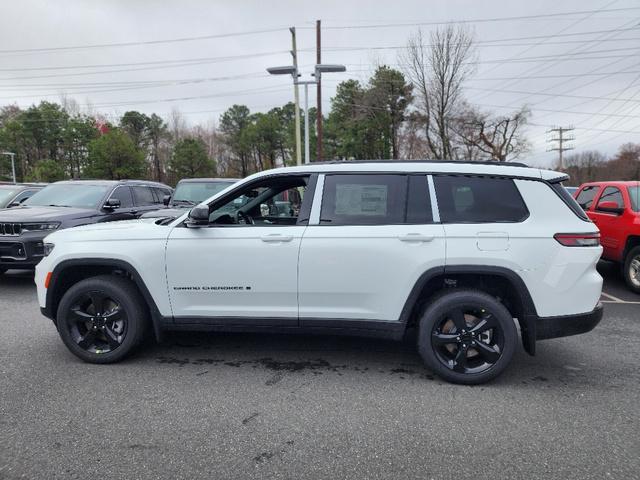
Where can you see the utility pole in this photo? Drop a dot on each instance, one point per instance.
(319, 89)
(296, 94)
(560, 142)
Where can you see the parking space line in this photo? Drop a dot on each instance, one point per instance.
(615, 299)
(620, 302)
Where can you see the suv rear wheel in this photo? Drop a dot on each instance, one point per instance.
(102, 319)
(631, 269)
(467, 336)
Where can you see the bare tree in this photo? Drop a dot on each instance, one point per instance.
(585, 166)
(438, 72)
(497, 137)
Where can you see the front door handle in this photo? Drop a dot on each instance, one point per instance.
(276, 238)
(415, 237)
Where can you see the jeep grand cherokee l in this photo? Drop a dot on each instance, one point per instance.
(461, 252)
(68, 204)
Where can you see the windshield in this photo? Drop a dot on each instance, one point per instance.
(633, 196)
(196, 192)
(6, 194)
(69, 195)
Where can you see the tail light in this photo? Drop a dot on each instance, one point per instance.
(578, 239)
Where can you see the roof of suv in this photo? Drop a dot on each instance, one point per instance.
(114, 182)
(203, 180)
(425, 166)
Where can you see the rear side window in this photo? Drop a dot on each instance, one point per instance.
(477, 199)
(370, 199)
(586, 196)
(143, 196)
(612, 194)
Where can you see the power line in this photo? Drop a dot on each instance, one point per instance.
(156, 62)
(478, 20)
(144, 42)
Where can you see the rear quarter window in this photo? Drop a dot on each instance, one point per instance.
(479, 199)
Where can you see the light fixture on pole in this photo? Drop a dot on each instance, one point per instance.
(13, 163)
(293, 71)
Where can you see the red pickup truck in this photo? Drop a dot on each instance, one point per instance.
(615, 208)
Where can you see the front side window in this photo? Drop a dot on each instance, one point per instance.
(586, 196)
(275, 201)
(79, 195)
(370, 199)
(143, 196)
(611, 194)
(124, 195)
(477, 199)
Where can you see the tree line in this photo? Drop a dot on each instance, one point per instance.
(415, 111)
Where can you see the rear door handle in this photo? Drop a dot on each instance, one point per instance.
(276, 237)
(415, 237)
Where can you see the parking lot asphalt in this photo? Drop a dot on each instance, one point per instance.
(221, 406)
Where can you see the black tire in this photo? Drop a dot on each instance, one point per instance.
(631, 270)
(108, 333)
(471, 355)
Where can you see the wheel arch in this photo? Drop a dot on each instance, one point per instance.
(497, 281)
(69, 272)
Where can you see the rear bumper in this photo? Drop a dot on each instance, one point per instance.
(566, 325)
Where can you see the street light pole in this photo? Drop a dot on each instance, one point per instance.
(13, 164)
(306, 84)
(293, 71)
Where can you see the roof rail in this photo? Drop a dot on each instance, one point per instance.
(485, 162)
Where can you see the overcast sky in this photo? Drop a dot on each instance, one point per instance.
(581, 69)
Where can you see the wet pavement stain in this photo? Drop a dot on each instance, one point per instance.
(317, 366)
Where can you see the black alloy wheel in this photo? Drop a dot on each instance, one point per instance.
(102, 319)
(468, 339)
(467, 336)
(97, 322)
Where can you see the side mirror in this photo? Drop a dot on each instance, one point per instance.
(166, 199)
(111, 204)
(15, 204)
(198, 216)
(610, 207)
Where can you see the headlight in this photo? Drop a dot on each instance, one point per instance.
(39, 227)
(48, 248)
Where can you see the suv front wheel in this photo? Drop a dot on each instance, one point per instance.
(467, 336)
(102, 319)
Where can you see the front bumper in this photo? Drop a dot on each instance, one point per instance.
(24, 251)
(566, 325)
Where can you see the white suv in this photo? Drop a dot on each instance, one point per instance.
(461, 252)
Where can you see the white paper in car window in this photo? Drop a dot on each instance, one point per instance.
(355, 199)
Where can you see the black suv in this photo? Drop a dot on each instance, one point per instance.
(13, 194)
(69, 204)
(190, 192)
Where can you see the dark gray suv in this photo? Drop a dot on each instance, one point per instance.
(190, 192)
(70, 204)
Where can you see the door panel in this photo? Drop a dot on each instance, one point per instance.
(373, 238)
(364, 272)
(234, 271)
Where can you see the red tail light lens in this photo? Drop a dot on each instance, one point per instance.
(578, 239)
